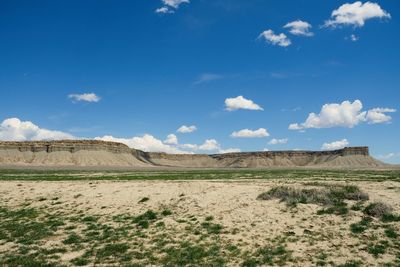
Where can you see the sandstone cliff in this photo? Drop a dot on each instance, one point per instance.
(68, 153)
(101, 153)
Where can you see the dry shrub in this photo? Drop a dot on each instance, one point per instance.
(327, 196)
(378, 209)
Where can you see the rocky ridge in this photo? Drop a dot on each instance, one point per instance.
(101, 153)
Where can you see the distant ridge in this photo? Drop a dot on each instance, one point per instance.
(92, 153)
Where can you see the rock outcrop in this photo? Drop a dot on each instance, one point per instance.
(347, 157)
(109, 154)
(68, 153)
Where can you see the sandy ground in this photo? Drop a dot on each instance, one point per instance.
(232, 203)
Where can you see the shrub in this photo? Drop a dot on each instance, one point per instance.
(332, 195)
(378, 209)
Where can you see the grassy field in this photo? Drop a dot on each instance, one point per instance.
(200, 218)
(349, 175)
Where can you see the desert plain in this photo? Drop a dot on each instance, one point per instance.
(293, 217)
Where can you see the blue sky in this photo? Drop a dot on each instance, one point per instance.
(155, 72)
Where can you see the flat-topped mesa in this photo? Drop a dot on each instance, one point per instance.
(65, 145)
(343, 157)
(347, 151)
(112, 154)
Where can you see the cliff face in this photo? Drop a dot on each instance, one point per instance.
(65, 145)
(68, 153)
(267, 159)
(101, 153)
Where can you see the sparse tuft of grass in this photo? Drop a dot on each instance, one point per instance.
(144, 199)
(72, 239)
(390, 218)
(188, 254)
(166, 212)
(144, 219)
(212, 228)
(391, 233)
(268, 256)
(116, 249)
(362, 226)
(209, 218)
(351, 264)
(378, 249)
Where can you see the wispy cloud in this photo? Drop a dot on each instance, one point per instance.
(87, 97)
(207, 77)
(299, 27)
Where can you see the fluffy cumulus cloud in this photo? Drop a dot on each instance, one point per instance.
(187, 129)
(278, 141)
(378, 115)
(14, 129)
(240, 102)
(171, 139)
(209, 145)
(335, 145)
(299, 27)
(170, 5)
(87, 97)
(247, 133)
(346, 114)
(275, 39)
(170, 145)
(356, 14)
(146, 143)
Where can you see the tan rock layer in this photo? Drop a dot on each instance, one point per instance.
(101, 153)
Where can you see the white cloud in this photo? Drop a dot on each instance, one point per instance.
(171, 140)
(187, 129)
(241, 103)
(13, 129)
(356, 14)
(377, 115)
(169, 5)
(275, 39)
(175, 3)
(207, 77)
(88, 97)
(210, 144)
(164, 10)
(246, 133)
(354, 38)
(229, 150)
(346, 114)
(146, 143)
(335, 145)
(278, 141)
(299, 27)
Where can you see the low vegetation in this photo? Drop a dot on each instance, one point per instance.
(316, 222)
(332, 197)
